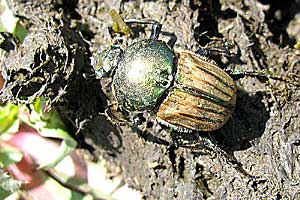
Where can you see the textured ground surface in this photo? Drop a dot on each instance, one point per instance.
(255, 155)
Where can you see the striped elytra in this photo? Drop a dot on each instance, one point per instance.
(202, 97)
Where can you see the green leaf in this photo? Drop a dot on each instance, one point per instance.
(9, 122)
(48, 124)
(59, 191)
(9, 155)
(21, 32)
(10, 23)
(8, 20)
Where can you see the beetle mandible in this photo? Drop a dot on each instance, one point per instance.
(181, 89)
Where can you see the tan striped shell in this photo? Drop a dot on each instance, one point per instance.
(202, 98)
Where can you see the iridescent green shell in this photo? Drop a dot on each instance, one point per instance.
(143, 74)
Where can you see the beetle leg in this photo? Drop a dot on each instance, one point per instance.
(262, 76)
(203, 52)
(156, 26)
(208, 147)
(238, 75)
(114, 119)
(216, 46)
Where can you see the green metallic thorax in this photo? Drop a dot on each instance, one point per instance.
(144, 73)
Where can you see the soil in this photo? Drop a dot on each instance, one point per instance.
(255, 155)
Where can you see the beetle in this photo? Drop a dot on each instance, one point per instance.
(181, 89)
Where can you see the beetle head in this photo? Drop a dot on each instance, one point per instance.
(105, 61)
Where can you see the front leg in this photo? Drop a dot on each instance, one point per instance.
(156, 26)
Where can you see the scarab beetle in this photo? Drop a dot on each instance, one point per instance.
(181, 89)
